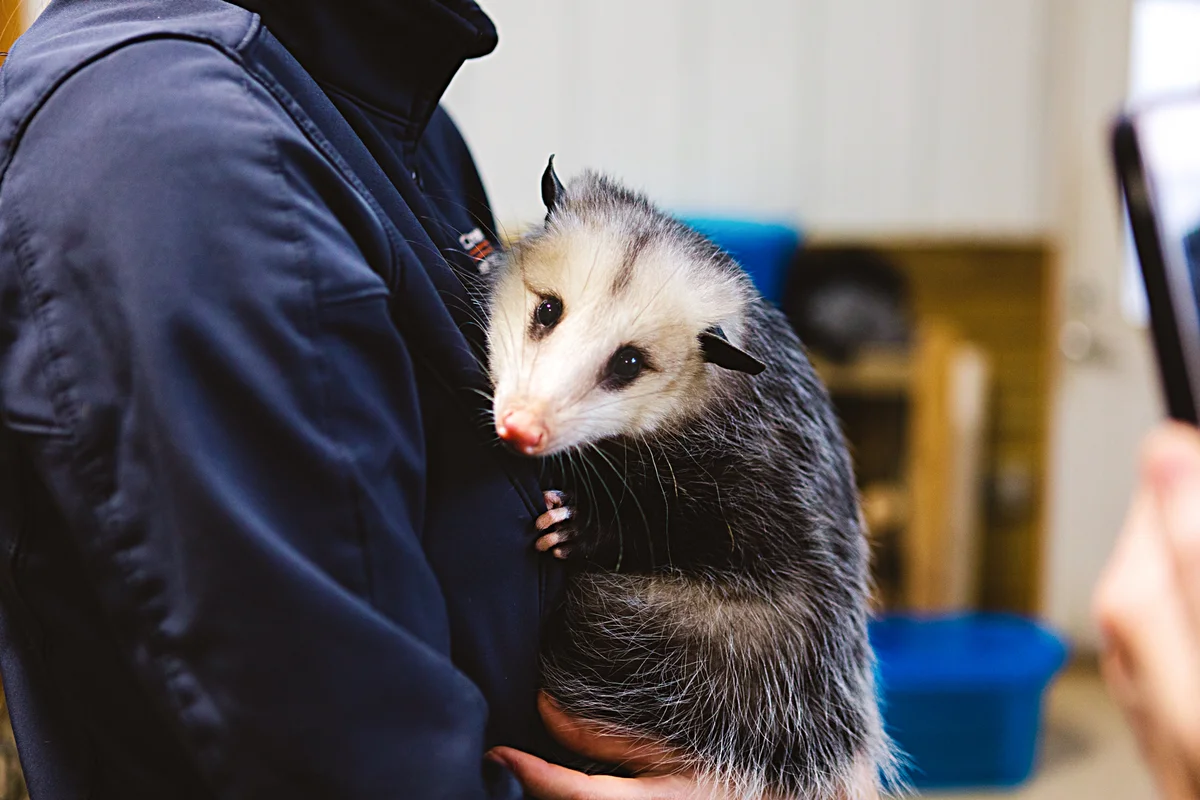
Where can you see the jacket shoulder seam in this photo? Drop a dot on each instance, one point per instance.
(26, 119)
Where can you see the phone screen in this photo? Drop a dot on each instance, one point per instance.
(1169, 135)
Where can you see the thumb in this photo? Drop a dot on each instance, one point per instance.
(1172, 464)
(546, 781)
(600, 744)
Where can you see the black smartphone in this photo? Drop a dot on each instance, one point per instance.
(1156, 150)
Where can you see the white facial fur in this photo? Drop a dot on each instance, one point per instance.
(670, 296)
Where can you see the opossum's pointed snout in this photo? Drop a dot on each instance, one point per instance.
(524, 430)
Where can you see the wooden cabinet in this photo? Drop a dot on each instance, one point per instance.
(918, 426)
(955, 488)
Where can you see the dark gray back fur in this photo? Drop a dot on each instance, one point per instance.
(724, 608)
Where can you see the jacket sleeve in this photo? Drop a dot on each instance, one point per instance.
(233, 425)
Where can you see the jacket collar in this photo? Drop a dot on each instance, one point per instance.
(395, 56)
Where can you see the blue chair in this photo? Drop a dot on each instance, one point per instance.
(765, 250)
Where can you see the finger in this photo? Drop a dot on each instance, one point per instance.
(552, 517)
(553, 499)
(1172, 465)
(1128, 606)
(1130, 696)
(1152, 658)
(1118, 676)
(544, 543)
(546, 781)
(601, 743)
(1129, 593)
(1142, 613)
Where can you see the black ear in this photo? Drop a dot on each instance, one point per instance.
(717, 350)
(552, 188)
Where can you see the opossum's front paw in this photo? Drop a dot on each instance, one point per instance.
(559, 535)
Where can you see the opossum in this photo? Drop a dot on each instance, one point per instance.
(701, 483)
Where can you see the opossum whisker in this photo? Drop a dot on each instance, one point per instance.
(512, 333)
(463, 207)
(465, 306)
(626, 491)
(641, 442)
(588, 278)
(580, 472)
(430, 248)
(477, 359)
(674, 479)
(617, 474)
(476, 319)
(485, 395)
(537, 352)
(472, 283)
(626, 397)
(590, 465)
(587, 463)
(518, 332)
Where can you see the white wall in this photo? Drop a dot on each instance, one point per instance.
(1108, 398)
(896, 116)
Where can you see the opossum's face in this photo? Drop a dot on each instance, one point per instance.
(595, 333)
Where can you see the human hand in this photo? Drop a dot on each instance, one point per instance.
(659, 775)
(1148, 606)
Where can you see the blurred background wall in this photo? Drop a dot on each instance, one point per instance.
(910, 116)
(968, 137)
(1106, 393)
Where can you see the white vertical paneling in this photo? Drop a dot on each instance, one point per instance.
(1106, 402)
(873, 112)
(513, 106)
(906, 116)
(633, 117)
(758, 108)
(990, 81)
(601, 82)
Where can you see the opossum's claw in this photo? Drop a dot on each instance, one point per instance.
(561, 543)
(565, 544)
(559, 537)
(556, 541)
(553, 517)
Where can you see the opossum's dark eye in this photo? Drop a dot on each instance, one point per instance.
(548, 312)
(624, 367)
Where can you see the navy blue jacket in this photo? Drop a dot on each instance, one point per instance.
(256, 539)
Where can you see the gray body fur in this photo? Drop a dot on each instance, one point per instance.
(723, 605)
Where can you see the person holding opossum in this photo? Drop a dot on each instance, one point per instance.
(260, 543)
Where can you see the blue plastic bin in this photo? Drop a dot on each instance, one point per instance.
(765, 250)
(962, 695)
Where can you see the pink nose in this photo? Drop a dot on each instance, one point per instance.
(524, 430)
